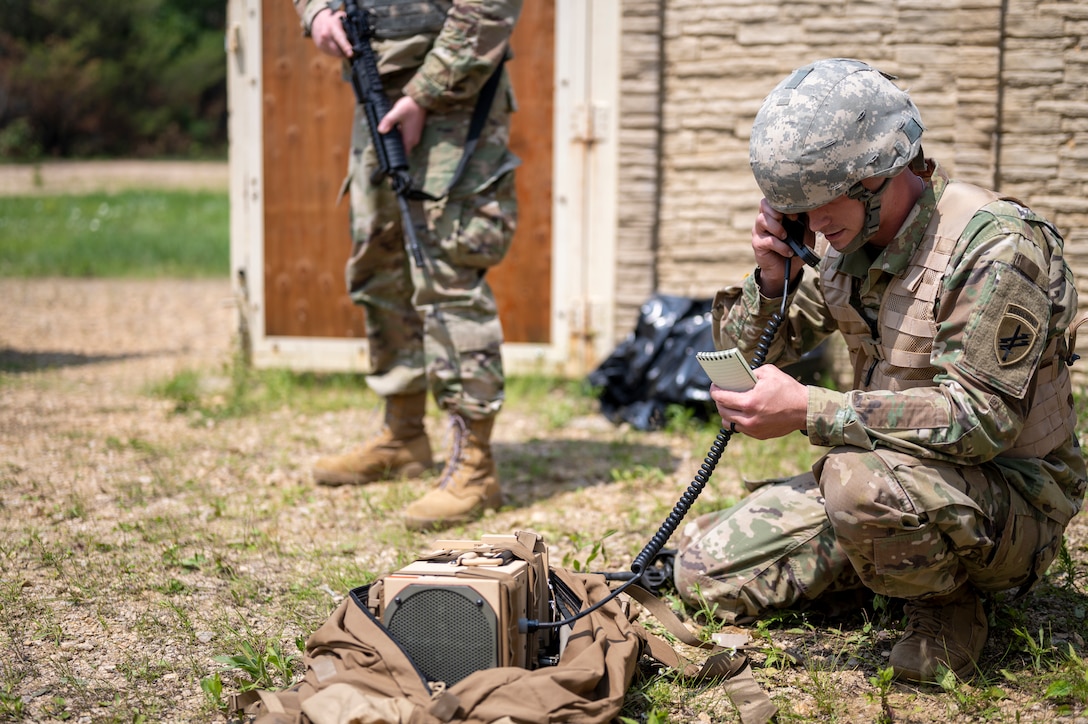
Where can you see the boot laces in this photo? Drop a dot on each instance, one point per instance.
(459, 429)
(925, 620)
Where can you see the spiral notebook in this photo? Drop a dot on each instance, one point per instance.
(728, 369)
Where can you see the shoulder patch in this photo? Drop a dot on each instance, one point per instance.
(1015, 335)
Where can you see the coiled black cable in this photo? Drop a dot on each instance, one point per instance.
(643, 560)
(702, 477)
(683, 505)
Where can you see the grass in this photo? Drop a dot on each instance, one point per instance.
(238, 390)
(220, 573)
(128, 234)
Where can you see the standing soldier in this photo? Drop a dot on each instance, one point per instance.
(953, 466)
(434, 329)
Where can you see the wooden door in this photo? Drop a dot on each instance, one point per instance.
(306, 113)
(306, 116)
(523, 281)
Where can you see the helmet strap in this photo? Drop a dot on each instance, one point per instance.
(872, 201)
(920, 166)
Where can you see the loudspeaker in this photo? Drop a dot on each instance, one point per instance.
(449, 631)
(456, 610)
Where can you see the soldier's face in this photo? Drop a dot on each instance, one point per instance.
(840, 221)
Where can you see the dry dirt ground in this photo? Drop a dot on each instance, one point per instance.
(139, 542)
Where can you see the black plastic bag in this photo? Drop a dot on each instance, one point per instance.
(655, 365)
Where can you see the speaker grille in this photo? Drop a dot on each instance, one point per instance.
(448, 631)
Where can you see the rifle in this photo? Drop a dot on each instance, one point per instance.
(392, 159)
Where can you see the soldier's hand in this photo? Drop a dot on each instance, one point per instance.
(327, 30)
(771, 250)
(410, 116)
(776, 406)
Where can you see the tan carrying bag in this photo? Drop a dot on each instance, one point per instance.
(359, 671)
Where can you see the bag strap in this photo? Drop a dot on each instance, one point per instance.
(729, 666)
(665, 615)
(1073, 356)
(240, 701)
(284, 703)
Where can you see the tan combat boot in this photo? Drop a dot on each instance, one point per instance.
(947, 631)
(400, 450)
(468, 485)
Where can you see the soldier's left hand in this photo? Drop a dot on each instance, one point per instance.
(410, 116)
(776, 406)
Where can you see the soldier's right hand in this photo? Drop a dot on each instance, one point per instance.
(327, 30)
(771, 251)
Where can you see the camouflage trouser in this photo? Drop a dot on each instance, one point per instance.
(437, 327)
(881, 520)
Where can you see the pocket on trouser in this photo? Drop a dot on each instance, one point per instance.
(907, 524)
(464, 363)
(1026, 546)
(903, 564)
(476, 232)
(775, 549)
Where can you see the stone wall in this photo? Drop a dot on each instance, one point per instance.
(1002, 88)
(640, 112)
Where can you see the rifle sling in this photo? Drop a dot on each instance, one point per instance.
(479, 117)
(475, 127)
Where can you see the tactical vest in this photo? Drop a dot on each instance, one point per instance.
(899, 358)
(396, 19)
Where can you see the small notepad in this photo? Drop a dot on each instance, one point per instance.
(728, 369)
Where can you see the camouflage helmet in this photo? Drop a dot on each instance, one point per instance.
(826, 127)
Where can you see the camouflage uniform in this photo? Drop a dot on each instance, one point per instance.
(436, 327)
(952, 459)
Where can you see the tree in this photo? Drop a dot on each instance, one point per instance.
(112, 78)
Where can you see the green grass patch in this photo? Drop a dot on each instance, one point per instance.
(561, 399)
(239, 391)
(129, 234)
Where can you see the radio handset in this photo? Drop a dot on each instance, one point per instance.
(795, 237)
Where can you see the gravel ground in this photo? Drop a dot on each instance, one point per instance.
(113, 505)
(137, 544)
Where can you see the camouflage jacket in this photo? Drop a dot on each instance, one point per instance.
(976, 359)
(439, 52)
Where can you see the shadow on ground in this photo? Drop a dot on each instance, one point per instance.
(542, 468)
(17, 361)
